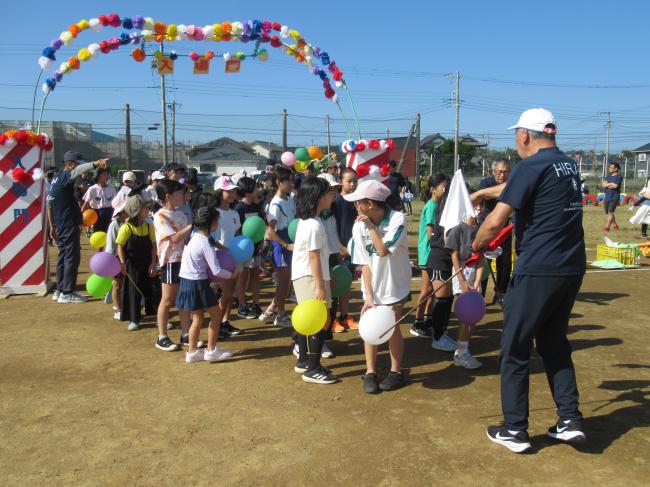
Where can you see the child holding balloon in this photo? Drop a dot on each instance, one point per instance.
(119, 217)
(229, 225)
(136, 249)
(198, 265)
(172, 231)
(310, 273)
(459, 241)
(99, 197)
(379, 245)
(282, 210)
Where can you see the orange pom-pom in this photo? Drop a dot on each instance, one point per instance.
(226, 28)
(159, 37)
(301, 43)
(74, 30)
(73, 62)
(138, 54)
(160, 28)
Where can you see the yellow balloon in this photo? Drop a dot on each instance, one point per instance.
(98, 240)
(301, 166)
(309, 317)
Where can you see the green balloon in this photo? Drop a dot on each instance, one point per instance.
(293, 228)
(301, 154)
(98, 286)
(254, 228)
(343, 280)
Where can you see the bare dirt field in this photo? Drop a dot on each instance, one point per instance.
(84, 402)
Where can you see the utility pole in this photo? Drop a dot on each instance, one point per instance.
(456, 103)
(173, 107)
(387, 133)
(609, 128)
(284, 130)
(417, 152)
(329, 141)
(164, 111)
(128, 137)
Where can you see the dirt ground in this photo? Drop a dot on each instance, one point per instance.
(84, 402)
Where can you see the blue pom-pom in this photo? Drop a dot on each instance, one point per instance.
(173, 56)
(254, 36)
(323, 75)
(257, 26)
(124, 38)
(48, 52)
(324, 58)
(127, 23)
(51, 83)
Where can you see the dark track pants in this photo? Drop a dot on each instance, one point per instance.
(538, 308)
(67, 264)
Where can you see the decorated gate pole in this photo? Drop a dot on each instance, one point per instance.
(23, 229)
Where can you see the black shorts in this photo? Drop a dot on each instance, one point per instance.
(169, 273)
(438, 275)
(610, 206)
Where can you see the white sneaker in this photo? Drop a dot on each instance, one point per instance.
(326, 352)
(196, 356)
(444, 343)
(217, 354)
(282, 321)
(173, 326)
(116, 314)
(56, 295)
(467, 360)
(71, 298)
(296, 350)
(268, 317)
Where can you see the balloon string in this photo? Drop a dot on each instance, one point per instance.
(135, 285)
(38, 80)
(354, 109)
(347, 127)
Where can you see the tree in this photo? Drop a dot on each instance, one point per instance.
(443, 156)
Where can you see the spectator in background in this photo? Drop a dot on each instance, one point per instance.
(99, 197)
(500, 173)
(156, 177)
(194, 189)
(612, 186)
(174, 171)
(395, 183)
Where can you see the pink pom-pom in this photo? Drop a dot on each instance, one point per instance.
(194, 55)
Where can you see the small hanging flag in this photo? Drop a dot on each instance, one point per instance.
(165, 65)
(233, 66)
(201, 65)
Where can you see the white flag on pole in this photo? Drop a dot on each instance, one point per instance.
(458, 206)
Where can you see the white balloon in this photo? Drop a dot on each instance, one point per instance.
(376, 326)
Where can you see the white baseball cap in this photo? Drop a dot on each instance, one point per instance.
(537, 120)
(370, 189)
(157, 176)
(330, 179)
(224, 183)
(129, 176)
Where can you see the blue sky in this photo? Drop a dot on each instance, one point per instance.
(511, 55)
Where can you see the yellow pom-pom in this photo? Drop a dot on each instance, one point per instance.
(83, 54)
(294, 34)
(148, 23)
(158, 55)
(66, 37)
(172, 30)
(83, 24)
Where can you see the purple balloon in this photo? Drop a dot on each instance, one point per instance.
(105, 264)
(469, 307)
(226, 261)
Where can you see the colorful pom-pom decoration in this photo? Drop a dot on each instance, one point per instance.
(263, 55)
(138, 55)
(173, 55)
(194, 55)
(209, 55)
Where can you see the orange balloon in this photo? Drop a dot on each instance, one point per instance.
(90, 217)
(314, 152)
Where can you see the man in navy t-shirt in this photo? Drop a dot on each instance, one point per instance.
(64, 217)
(543, 196)
(612, 186)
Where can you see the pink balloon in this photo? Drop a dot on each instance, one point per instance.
(288, 158)
(105, 264)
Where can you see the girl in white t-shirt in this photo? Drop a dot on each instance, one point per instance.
(379, 245)
(99, 197)
(281, 212)
(229, 226)
(310, 273)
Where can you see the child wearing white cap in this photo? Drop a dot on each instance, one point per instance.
(379, 245)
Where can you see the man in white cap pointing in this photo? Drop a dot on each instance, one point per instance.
(543, 193)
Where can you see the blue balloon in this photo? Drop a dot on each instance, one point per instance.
(241, 248)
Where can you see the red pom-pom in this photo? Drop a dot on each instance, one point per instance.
(265, 37)
(373, 144)
(277, 26)
(48, 145)
(362, 171)
(104, 47)
(390, 144)
(385, 170)
(329, 92)
(114, 20)
(275, 41)
(104, 20)
(337, 75)
(17, 174)
(361, 146)
(21, 136)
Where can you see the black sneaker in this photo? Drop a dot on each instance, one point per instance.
(185, 342)
(166, 344)
(256, 310)
(393, 381)
(370, 385)
(568, 430)
(518, 443)
(227, 330)
(321, 375)
(419, 329)
(242, 311)
(301, 367)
